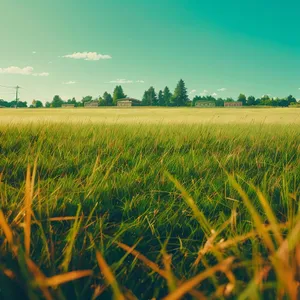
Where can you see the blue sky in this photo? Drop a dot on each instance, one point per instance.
(217, 47)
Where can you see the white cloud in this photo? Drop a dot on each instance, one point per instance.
(121, 81)
(204, 93)
(17, 70)
(43, 74)
(21, 71)
(69, 82)
(192, 92)
(33, 52)
(140, 81)
(50, 62)
(214, 94)
(87, 56)
(222, 90)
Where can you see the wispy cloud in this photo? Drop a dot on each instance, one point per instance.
(214, 94)
(33, 52)
(204, 93)
(121, 81)
(21, 71)
(222, 90)
(69, 82)
(87, 56)
(125, 81)
(17, 70)
(43, 74)
(192, 92)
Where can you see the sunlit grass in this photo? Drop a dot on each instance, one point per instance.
(149, 211)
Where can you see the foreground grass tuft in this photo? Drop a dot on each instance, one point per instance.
(149, 211)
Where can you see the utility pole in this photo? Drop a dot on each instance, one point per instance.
(17, 95)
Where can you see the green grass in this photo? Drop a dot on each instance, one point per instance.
(167, 189)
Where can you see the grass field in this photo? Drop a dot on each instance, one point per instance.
(154, 115)
(97, 209)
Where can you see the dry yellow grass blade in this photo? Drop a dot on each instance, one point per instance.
(185, 287)
(64, 278)
(98, 291)
(9, 273)
(6, 229)
(109, 276)
(27, 204)
(153, 266)
(8, 233)
(39, 277)
(285, 266)
(58, 219)
(167, 260)
(244, 237)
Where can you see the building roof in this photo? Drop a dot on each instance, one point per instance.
(201, 101)
(128, 99)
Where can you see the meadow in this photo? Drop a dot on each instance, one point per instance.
(153, 115)
(149, 204)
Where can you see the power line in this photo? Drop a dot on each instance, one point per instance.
(7, 87)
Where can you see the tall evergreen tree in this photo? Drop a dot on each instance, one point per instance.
(118, 94)
(149, 97)
(167, 96)
(107, 99)
(180, 96)
(161, 99)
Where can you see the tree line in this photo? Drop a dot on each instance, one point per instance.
(178, 98)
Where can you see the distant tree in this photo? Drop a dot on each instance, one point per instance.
(102, 102)
(251, 101)
(180, 96)
(283, 102)
(291, 99)
(167, 96)
(242, 98)
(210, 98)
(57, 101)
(160, 98)
(107, 98)
(149, 97)
(86, 99)
(20, 104)
(37, 104)
(118, 94)
(196, 99)
(48, 104)
(4, 103)
(219, 102)
(257, 101)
